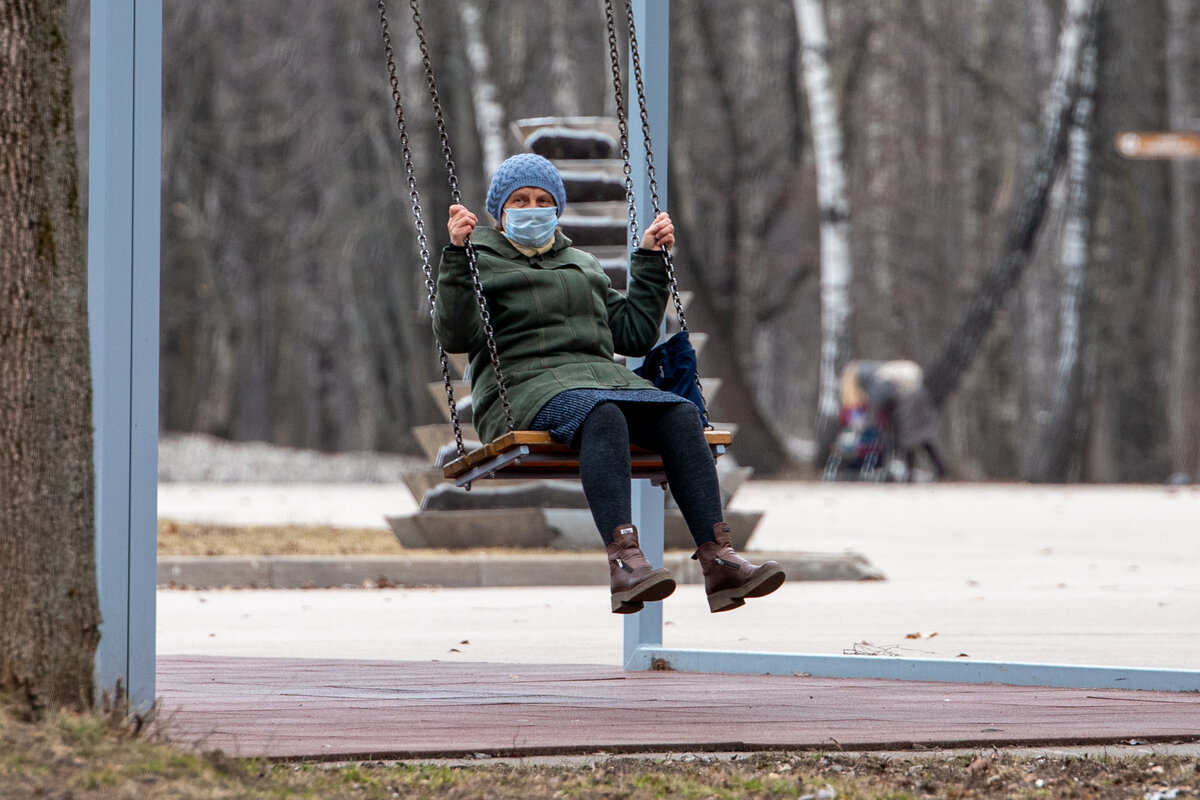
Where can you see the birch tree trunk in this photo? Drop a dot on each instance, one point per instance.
(1073, 375)
(49, 616)
(975, 321)
(834, 206)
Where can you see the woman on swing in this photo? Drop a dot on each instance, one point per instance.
(557, 322)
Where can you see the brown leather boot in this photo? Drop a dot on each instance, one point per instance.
(634, 581)
(728, 578)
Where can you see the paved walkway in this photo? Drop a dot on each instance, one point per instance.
(1074, 575)
(1049, 575)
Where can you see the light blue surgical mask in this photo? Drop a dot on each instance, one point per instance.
(531, 227)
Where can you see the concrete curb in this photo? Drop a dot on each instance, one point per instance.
(463, 570)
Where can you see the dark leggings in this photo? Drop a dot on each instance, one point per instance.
(675, 432)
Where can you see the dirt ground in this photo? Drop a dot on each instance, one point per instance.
(202, 539)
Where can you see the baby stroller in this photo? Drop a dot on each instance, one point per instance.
(862, 450)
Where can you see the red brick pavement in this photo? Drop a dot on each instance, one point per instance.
(320, 708)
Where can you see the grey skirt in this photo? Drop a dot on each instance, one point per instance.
(564, 414)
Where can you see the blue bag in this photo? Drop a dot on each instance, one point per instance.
(672, 367)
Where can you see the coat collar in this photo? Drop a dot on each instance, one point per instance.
(494, 240)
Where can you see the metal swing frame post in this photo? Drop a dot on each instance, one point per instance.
(125, 180)
(643, 631)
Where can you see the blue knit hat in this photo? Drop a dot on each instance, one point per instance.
(524, 169)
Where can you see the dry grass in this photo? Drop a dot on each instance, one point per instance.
(187, 539)
(86, 756)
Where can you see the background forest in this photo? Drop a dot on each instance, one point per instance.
(294, 309)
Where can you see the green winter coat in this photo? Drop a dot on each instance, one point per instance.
(556, 320)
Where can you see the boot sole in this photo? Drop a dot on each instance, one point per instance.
(764, 584)
(650, 590)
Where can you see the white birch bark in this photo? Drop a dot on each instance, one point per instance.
(1075, 238)
(831, 198)
(1075, 257)
(1069, 60)
(489, 115)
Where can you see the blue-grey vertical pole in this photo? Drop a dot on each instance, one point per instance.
(124, 179)
(652, 19)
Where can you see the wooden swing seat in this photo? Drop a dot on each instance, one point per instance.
(534, 454)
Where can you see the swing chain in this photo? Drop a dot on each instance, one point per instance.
(623, 127)
(455, 197)
(418, 219)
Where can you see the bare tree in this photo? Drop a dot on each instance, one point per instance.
(1062, 433)
(734, 197)
(49, 614)
(293, 308)
(489, 114)
(836, 270)
(975, 320)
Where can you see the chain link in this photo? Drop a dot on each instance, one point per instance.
(418, 220)
(455, 197)
(622, 124)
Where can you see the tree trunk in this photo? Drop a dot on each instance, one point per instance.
(564, 99)
(1183, 373)
(1062, 436)
(489, 114)
(49, 615)
(834, 207)
(709, 256)
(976, 319)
